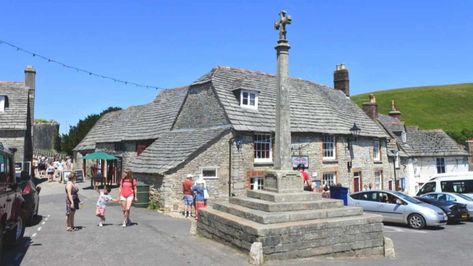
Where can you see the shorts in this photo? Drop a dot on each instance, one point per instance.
(188, 200)
(129, 198)
(99, 210)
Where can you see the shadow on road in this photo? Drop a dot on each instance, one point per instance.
(36, 220)
(14, 255)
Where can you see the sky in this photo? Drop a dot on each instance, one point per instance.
(166, 44)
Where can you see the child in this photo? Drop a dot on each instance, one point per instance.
(102, 202)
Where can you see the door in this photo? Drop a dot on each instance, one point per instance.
(390, 208)
(357, 183)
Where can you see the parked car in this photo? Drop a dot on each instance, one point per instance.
(455, 212)
(449, 182)
(398, 207)
(30, 193)
(11, 222)
(447, 196)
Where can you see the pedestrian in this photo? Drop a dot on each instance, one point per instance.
(72, 201)
(305, 177)
(198, 190)
(326, 190)
(104, 199)
(127, 192)
(50, 172)
(188, 197)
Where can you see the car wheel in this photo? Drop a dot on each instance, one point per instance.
(15, 235)
(416, 221)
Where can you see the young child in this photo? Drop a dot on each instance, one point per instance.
(102, 202)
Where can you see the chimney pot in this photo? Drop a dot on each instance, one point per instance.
(341, 79)
(371, 107)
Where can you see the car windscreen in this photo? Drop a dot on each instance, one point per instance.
(464, 197)
(407, 198)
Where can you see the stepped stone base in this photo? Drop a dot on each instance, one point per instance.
(291, 223)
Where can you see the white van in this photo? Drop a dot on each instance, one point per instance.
(450, 182)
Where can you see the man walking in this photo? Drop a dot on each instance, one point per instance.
(188, 195)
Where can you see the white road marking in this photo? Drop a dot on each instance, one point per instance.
(43, 222)
(48, 215)
(391, 229)
(33, 235)
(39, 228)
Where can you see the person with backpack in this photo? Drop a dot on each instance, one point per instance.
(127, 193)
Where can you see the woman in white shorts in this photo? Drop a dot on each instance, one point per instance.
(127, 192)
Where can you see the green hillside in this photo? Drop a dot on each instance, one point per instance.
(449, 107)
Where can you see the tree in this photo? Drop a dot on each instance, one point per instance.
(78, 132)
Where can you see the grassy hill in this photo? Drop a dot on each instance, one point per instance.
(449, 107)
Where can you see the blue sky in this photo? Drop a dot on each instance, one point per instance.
(385, 44)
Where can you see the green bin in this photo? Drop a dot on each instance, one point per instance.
(142, 191)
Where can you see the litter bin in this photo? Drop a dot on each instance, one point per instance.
(142, 194)
(339, 193)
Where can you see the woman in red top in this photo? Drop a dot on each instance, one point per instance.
(127, 192)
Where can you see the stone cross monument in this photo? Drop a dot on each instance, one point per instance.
(282, 159)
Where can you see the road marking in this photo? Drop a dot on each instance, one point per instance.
(391, 229)
(43, 222)
(33, 235)
(39, 228)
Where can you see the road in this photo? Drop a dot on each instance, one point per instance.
(157, 239)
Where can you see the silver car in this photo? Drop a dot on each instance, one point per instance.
(455, 197)
(397, 207)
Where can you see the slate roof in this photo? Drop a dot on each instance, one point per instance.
(433, 142)
(139, 122)
(15, 115)
(420, 143)
(314, 107)
(174, 148)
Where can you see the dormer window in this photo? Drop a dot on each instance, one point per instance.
(249, 99)
(3, 103)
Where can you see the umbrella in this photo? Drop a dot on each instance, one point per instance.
(99, 155)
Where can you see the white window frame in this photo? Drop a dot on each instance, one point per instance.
(329, 145)
(248, 98)
(3, 101)
(211, 168)
(256, 183)
(378, 179)
(440, 164)
(330, 176)
(397, 160)
(376, 150)
(257, 141)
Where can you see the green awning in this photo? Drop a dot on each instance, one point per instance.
(99, 155)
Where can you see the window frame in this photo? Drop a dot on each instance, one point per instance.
(440, 166)
(327, 141)
(3, 103)
(376, 150)
(257, 141)
(256, 183)
(248, 99)
(209, 168)
(334, 177)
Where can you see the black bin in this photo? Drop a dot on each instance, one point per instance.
(339, 193)
(142, 194)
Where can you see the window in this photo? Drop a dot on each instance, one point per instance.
(209, 172)
(330, 178)
(256, 183)
(457, 186)
(378, 180)
(3, 103)
(249, 99)
(440, 165)
(263, 148)
(428, 187)
(376, 151)
(397, 159)
(329, 147)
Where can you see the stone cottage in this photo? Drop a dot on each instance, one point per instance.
(416, 154)
(126, 133)
(17, 116)
(225, 131)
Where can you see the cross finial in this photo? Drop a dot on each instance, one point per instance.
(281, 24)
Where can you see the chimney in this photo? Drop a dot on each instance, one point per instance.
(341, 80)
(30, 82)
(395, 113)
(371, 107)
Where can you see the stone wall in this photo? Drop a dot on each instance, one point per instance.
(44, 135)
(14, 139)
(201, 109)
(243, 166)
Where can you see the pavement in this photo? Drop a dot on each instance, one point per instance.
(158, 239)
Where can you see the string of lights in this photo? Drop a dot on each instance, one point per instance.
(90, 73)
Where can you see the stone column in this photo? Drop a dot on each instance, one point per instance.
(282, 159)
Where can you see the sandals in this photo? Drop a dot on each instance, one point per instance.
(69, 229)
